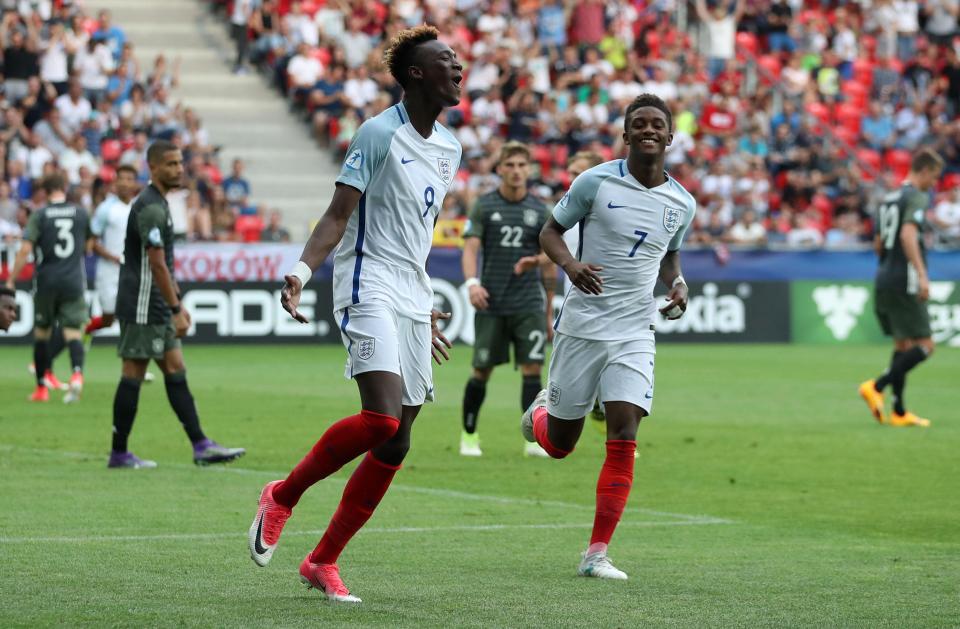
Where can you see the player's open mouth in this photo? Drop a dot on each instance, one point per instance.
(648, 142)
(457, 80)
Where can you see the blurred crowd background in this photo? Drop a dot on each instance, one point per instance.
(792, 118)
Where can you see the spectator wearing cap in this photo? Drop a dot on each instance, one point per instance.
(274, 230)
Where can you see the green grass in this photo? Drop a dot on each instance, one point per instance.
(765, 495)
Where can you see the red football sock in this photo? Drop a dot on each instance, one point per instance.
(95, 324)
(361, 496)
(613, 489)
(341, 443)
(540, 432)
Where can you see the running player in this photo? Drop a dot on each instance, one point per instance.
(58, 235)
(109, 225)
(390, 189)
(152, 319)
(902, 286)
(505, 226)
(633, 217)
(8, 307)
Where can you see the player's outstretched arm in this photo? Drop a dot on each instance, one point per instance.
(671, 277)
(584, 276)
(326, 235)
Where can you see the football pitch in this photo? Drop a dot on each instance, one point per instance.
(764, 495)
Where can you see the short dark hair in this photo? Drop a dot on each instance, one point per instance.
(647, 100)
(157, 150)
(127, 168)
(926, 159)
(511, 148)
(54, 182)
(7, 292)
(399, 53)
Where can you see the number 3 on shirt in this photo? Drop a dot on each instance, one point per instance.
(643, 236)
(428, 198)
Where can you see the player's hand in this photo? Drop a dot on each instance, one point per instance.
(676, 297)
(290, 297)
(585, 277)
(923, 294)
(181, 322)
(439, 341)
(524, 264)
(479, 297)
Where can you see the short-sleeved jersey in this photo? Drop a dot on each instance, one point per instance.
(404, 178)
(508, 231)
(905, 205)
(109, 224)
(149, 225)
(626, 228)
(59, 234)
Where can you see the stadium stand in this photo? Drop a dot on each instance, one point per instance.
(804, 113)
(77, 98)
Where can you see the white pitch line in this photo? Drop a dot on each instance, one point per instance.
(315, 533)
(429, 491)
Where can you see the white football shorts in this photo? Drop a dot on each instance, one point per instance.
(378, 338)
(581, 370)
(108, 283)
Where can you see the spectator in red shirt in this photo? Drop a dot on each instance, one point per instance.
(587, 23)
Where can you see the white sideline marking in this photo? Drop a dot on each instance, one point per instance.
(316, 533)
(430, 491)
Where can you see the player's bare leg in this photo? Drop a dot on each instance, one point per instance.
(473, 396)
(613, 487)
(205, 450)
(361, 496)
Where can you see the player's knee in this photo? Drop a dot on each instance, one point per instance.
(483, 375)
(380, 426)
(928, 346)
(394, 451)
(108, 320)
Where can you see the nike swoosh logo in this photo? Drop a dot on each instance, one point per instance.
(614, 207)
(404, 160)
(256, 542)
(648, 395)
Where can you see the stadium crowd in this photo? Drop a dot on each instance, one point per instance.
(76, 98)
(792, 118)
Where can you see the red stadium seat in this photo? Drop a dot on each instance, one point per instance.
(871, 162)
(819, 111)
(110, 151)
(898, 161)
(249, 228)
(541, 154)
(846, 135)
(863, 72)
(747, 44)
(107, 173)
(560, 154)
(855, 93)
(950, 181)
(849, 117)
(772, 65)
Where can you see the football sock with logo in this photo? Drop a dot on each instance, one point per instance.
(886, 379)
(540, 423)
(364, 490)
(95, 324)
(41, 359)
(473, 397)
(124, 411)
(613, 489)
(341, 443)
(181, 401)
(76, 355)
(528, 392)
